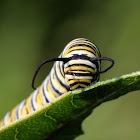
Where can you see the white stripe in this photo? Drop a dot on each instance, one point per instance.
(15, 114)
(43, 96)
(6, 118)
(60, 77)
(20, 107)
(45, 87)
(34, 98)
(30, 104)
(45, 90)
(56, 87)
(79, 61)
(77, 77)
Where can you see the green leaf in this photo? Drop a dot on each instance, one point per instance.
(62, 118)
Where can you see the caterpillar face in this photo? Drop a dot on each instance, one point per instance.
(79, 71)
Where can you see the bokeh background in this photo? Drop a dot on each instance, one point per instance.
(32, 31)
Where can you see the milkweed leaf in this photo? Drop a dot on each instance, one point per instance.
(62, 118)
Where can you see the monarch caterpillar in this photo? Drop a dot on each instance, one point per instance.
(77, 67)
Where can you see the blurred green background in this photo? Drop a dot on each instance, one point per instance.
(32, 31)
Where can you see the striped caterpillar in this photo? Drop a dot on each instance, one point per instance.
(77, 67)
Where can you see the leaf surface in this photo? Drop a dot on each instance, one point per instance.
(62, 118)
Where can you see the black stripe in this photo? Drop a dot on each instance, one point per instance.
(62, 84)
(79, 74)
(32, 103)
(60, 93)
(95, 79)
(84, 65)
(75, 83)
(17, 112)
(82, 50)
(62, 73)
(70, 79)
(26, 107)
(85, 57)
(43, 90)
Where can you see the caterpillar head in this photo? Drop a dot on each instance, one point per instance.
(80, 71)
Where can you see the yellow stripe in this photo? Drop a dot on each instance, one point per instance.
(80, 47)
(23, 111)
(72, 81)
(50, 92)
(1, 123)
(13, 113)
(75, 71)
(78, 77)
(28, 104)
(83, 85)
(74, 87)
(39, 98)
(79, 68)
(81, 80)
(85, 80)
(9, 120)
(66, 52)
(57, 84)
